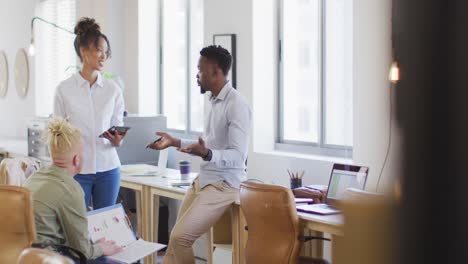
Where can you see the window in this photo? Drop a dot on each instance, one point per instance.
(181, 42)
(55, 53)
(315, 102)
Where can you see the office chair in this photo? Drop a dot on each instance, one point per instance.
(17, 228)
(370, 228)
(274, 233)
(42, 256)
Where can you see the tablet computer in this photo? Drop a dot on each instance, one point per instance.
(119, 129)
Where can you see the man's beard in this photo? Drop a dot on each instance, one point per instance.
(202, 90)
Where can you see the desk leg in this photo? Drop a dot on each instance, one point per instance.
(209, 247)
(318, 245)
(336, 241)
(242, 237)
(154, 217)
(139, 213)
(235, 223)
(150, 203)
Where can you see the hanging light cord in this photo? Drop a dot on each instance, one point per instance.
(50, 23)
(389, 143)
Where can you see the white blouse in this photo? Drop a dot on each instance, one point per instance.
(93, 110)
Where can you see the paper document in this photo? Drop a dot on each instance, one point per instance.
(140, 170)
(111, 223)
(136, 251)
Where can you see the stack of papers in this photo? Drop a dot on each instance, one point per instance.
(303, 200)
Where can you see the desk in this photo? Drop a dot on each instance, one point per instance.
(332, 224)
(148, 190)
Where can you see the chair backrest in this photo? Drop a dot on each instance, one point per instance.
(41, 256)
(272, 221)
(17, 228)
(370, 232)
(14, 171)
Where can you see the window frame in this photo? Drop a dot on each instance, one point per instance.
(188, 124)
(315, 148)
(43, 58)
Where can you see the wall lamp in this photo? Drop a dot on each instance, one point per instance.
(394, 73)
(32, 49)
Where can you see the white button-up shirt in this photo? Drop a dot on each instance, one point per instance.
(228, 122)
(93, 110)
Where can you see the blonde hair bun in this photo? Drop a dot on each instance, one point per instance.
(61, 136)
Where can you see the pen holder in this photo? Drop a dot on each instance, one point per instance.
(296, 183)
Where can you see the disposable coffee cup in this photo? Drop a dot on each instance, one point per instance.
(184, 166)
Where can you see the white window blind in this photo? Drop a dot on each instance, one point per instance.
(55, 58)
(316, 76)
(181, 41)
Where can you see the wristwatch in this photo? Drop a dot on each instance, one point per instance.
(208, 156)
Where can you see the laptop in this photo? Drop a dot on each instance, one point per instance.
(111, 223)
(342, 177)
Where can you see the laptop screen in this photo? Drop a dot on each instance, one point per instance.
(344, 177)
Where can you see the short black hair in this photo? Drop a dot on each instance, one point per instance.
(220, 55)
(88, 32)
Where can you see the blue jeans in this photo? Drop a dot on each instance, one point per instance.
(101, 189)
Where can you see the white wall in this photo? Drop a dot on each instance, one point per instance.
(119, 21)
(372, 59)
(15, 21)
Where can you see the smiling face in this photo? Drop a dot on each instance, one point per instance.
(95, 56)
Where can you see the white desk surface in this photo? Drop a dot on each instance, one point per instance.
(162, 180)
(15, 147)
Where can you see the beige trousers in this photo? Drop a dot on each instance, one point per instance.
(200, 210)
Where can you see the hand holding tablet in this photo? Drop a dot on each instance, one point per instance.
(118, 129)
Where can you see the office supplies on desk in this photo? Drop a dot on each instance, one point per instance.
(111, 223)
(342, 177)
(141, 170)
(303, 200)
(321, 188)
(295, 179)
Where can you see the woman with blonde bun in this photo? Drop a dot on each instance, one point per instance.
(93, 104)
(58, 200)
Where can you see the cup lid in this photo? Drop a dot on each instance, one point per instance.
(184, 162)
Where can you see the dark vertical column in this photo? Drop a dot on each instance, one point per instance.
(430, 40)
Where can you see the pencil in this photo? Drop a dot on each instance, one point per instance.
(154, 142)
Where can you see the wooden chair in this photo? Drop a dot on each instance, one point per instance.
(274, 234)
(17, 228)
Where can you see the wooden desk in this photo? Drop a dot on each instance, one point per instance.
(332, 224)
(148, 190)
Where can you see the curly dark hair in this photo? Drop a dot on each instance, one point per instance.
(88, 31)
(219, 55)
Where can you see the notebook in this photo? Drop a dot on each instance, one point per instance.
(342, 177)
(111, 223)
